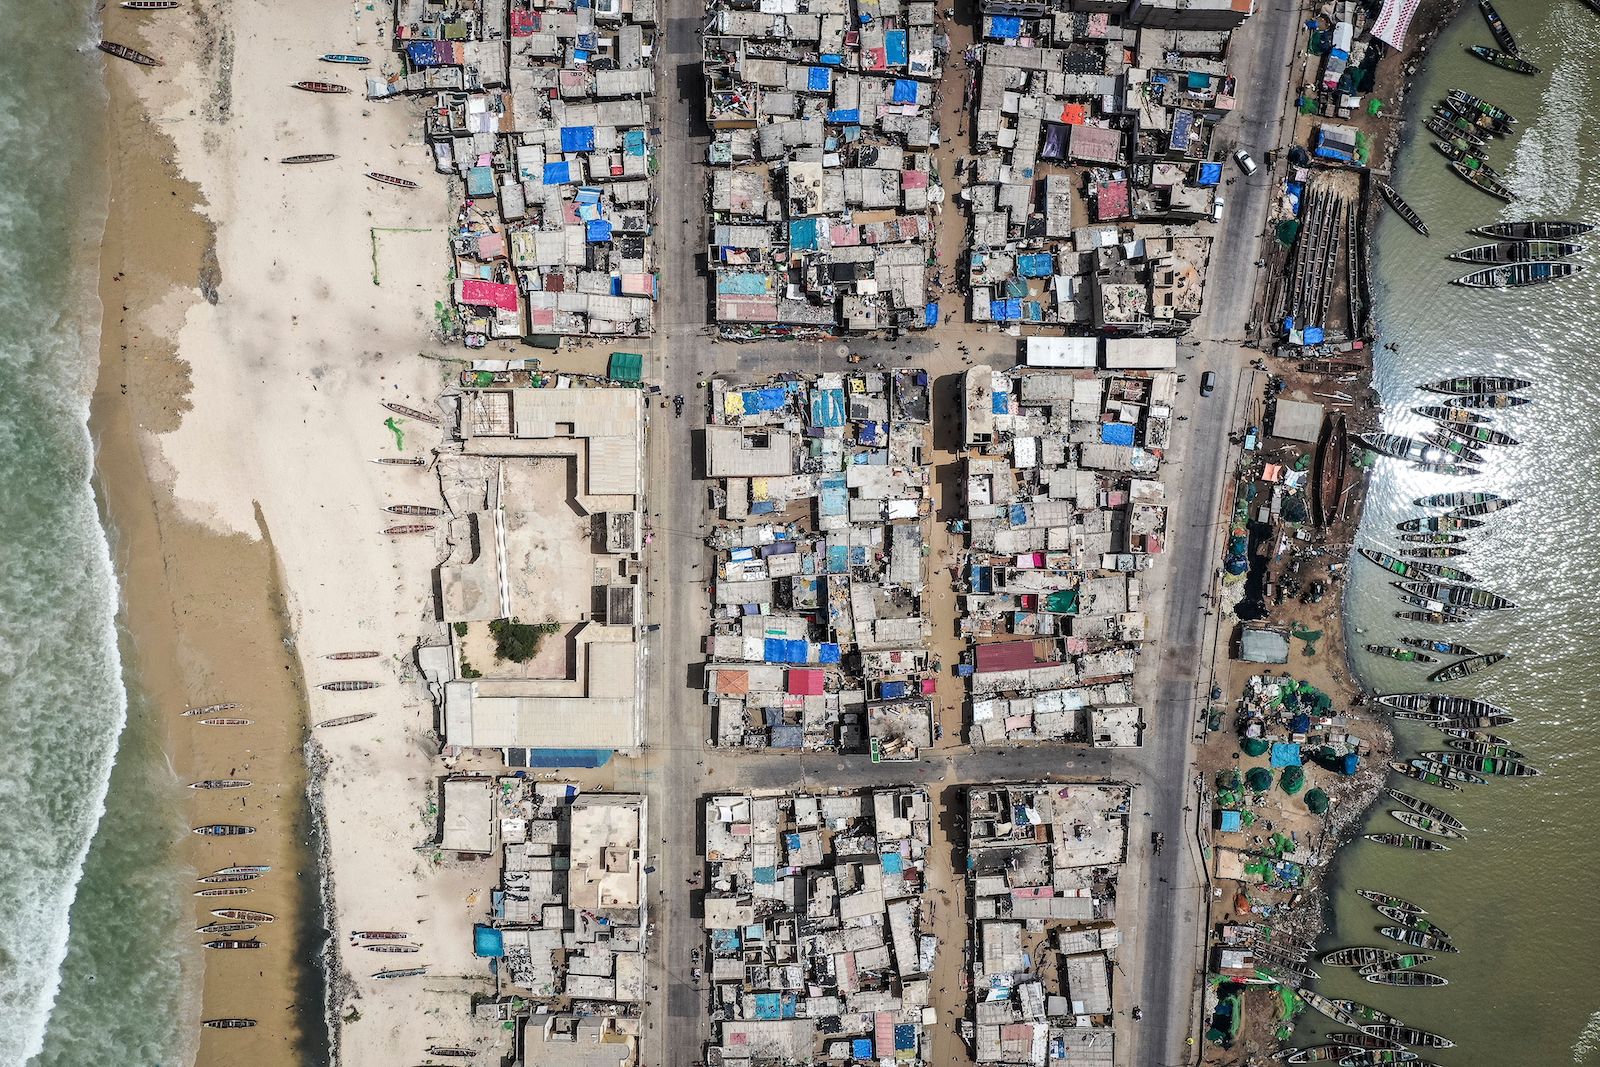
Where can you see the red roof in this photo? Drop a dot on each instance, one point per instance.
(1008, 656)
(480, 293)
(806, 682)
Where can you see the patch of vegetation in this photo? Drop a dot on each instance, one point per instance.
(467, 671)
(519, 641)
(461, 629)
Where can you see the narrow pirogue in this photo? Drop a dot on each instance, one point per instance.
(132, 55)
(320, 87)
(348, 686)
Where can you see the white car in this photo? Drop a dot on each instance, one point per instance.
(1216, 209)
(1246, 164)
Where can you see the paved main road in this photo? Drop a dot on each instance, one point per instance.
(1164, 892)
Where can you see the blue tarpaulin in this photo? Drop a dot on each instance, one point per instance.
(1116, 433)
(586, 758)
(827, 409)
(893, 690)
(894, 47)
(1285, 754)
(577, 138)
(1315, 335)
(1350, 763)
(905, 91)
(757, 401)
(1231, 821)
(1036, 265)
(487, 942)
(827, 652)
(557, 173)
(598, 230)
(805, 235)
(1211, 174)
(845, 116)
(893, 863)
(1000, 403)
(818, 79)
(633, 142)
(905, 1037)
(430, 53)
(1296, 191)
(930, 314)
(480, 181)
(1005, 28)
(861, 1048)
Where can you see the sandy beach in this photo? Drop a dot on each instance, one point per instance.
(257, 315)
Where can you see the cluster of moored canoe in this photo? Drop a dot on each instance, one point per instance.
(1523, 253)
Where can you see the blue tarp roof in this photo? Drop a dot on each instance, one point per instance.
(430, 53)
(557, 173)
(818, 79)
(1211, 174)
(827, 409)
(756, 401)
(1005, 28)
(1000, 403)
(930, 314)
(1036, 265)
(905, 1036)
(1005, 310)
(487, 942)
(577, 138)
(1285, 754)
(805, 234)
(633, 142)
(861, 1048)
(845, 115)
(833, 498)
(893, 690)
(598, 230)
(905, 91)
(894, 46)
(1116, 433)
(1231, 821)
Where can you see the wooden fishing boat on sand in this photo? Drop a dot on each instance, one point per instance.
(352, 655)
(412, 413)
(1534, 230)
(345, 58)
(1498, 28)
(1411, 841)
(1503, 60)
(244, 915)
(309, 157)
(348, 720)
(228, 1024)
(401, 972)
(1518, 275)
(226, 722)
(1403, 209)
(223, 829)
(380, 935)
(209, 709)
(231, 891)
(451, 1051)
(1439, 769)
(390, 179)
(132, 55)
(251, 869)
(247, 943)
(220, 783)
(348, 686)
(393, 948)
(1517, 252)
(1467, 384)
(225, 928)
(148, 5)
(1422, 824)
(412, 509)
(1431, 811)
(1431, 939)
(1482, 179)
(1330, 465)
(401, 461)
(1420, 775)
(409, 528)
(1462, 668)
(1402, 655)
(1405, 978)
(319, 87)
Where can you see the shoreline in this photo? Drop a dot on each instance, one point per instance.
(204, 613)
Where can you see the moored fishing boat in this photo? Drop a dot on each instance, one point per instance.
(390, 179)
(209, 709)
(1437, 524)
(351, 655)
(234, 944)
(1453, 469)
(1426, 717)
(132, 55)
(226, 722)
(1420, 775)
(1393, 564)
(1403, 209)
(1401, 1034)
(1405, 978)
(1433, 618)
(1358, 956)
(1367, 1041)
(1478, 435)
(348, 720)
(1329, 1053)
(228, 1024)
(1498, 28)
(1463, 119)
(1444, 648)
(1389, 900)
(1471, 765)
(1517, 252)
(1326, 1005)
(1462, 668)
(1458, 596)
(309, 157)
(1459, 499)
(1443, 770)
(319, 87)
(411, 528)
(220, 783)
(412, 413)
(1482, 179)
(1393, 445)
(1458, 448)
(1517, 275)
(346, 58)
(413, 509)
(1473, 722)
(1465, 101)
(1423, 824)
(1488, 507)
(348, 686)
(1411, 841)
(1534, 230)
(1375, 1057)
(1444, 124)
(1432, 940)
(1503, 60)
(1458, 148)
(1432, 539)
(1443, 705)
(1490, 401)
(1467, 384)
(1434, 552)
(1473, 735)
(1443, 572)
(1431, 811)
(223, 829)
(1404, 655)
(231, 891)
(1499, 748)
(1396, 961)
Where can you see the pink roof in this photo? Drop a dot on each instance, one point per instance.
(1007, 656)
(914, 179)
(806, 682)
(501, 295)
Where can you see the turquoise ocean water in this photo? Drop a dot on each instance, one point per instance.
(89, 971)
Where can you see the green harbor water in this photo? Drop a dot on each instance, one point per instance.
(1518, 895)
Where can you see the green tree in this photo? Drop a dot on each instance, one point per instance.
(519, 641)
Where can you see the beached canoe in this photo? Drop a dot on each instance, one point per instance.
(451, 1051)
(228, 1024)
(1534, 230)
(348, 720)
(244, 915)
(401, 461)
(1467, 384)
(1403, 209)
(351, 655)
(246, 868)
(348, 686)
(1482, 179)
(1396, 961)
(1517, 252)
(390, 179)
(226, 722)
(310, 157)
(1403, 655)
(231, 891)
(1464, 667)
(1411, 841)
(380, 935)
(1432, 940)
(1498, 748)
(412, 413)
(225, 928)
(413, 509)
(319, 87)
(1445, 771)
(1517, 275)
(220, 783)
(1431, 811)
(132, 55)
(1389, 900)
(1422, 823)
(248, 943)
(209, 709)
(1405, 978)
(401, 972)
(393, 948)
(1420, 775)
(223, 829)
(148, 5)
(409, 528)
(1503, 60)
(345, 58)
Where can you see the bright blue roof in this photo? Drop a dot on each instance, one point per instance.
(1117, 433)
(577, 138)
(818, 79)
(905, 91)
(557, 173)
